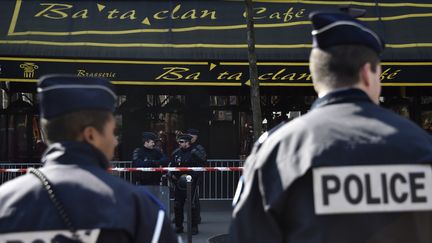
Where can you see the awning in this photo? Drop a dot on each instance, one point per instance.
(196, 42)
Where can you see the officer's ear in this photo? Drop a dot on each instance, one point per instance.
(90, 135)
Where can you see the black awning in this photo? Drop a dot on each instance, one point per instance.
(195, 73)
(135, 42)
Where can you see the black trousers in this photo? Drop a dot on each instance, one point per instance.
(180, 197)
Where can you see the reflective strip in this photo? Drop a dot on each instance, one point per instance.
(88, 236)
(374, 188)
(158, 228)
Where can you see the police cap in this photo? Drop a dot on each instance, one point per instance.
(193, 131)
(62, 94)
(332, 29)
(149, 136)
(185, 137)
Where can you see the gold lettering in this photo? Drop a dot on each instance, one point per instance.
(275, 77)
(257, 11)
(194, 76)
(172, 73)
(158, 15)
(84, 73)
(288, 15)
(275, 15)
(222, 75)
(55, 9)
(265, 76)
(81, 14)
(191, 14)
(235, 76)
(112, 14)
(129, 15)
(394, 74)
(205, 13)
(308, 76)
(175, 10)
(81, 73)
(290, 76)
(300, 13)
(389, 74)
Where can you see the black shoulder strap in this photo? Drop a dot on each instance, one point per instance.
(57, 203)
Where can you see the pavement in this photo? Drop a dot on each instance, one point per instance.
(215, 220)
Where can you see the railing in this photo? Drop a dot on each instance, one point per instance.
(215, 185)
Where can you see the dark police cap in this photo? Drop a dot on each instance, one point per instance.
(193, 131)
(332, 29)
(185, 137)
(149, 136)
(62, 94)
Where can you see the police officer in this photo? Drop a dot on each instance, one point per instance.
(73, 198)
(148, 156)
(201, 153)
(349, 170)
(185, 156)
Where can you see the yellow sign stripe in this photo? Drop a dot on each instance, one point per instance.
(99, 61)
(139, 82)
(305, 64)
(197, 28)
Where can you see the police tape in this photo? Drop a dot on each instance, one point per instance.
(149, 169)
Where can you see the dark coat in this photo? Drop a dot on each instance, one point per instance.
(93, 199)
(144, 157)
(190, 157)
(344, 133)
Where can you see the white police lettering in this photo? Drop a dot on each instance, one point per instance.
(88, 236)
(380, 188)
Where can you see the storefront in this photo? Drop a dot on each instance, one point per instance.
(182, 64)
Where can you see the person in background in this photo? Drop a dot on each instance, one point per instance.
(73, 198)
(184, 157)
(200, 152)
(148, 156)
(348, 170)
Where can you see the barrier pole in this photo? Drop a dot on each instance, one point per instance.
(189, 207)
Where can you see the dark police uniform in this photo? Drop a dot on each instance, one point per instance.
(200, 151)
(348, 171)
(144, 157)
(185, 158)
(102, 207)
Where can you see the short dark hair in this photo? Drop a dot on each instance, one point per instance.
(68, 127)
(339, 66)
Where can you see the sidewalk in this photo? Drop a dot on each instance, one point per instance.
(215, 220)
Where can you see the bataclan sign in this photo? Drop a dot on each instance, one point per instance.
(195, 42)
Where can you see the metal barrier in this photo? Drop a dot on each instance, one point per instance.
(215, 185)
(9, 176)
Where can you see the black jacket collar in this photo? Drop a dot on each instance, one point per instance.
(342, 96)
(72, 152)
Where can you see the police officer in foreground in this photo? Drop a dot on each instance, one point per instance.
(73, 198)
(349, 170)
(185, 156)
(148, 156)
(201, 152)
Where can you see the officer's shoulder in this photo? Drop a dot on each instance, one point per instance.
(175, 151)
(20, 185)
(137, 150)
(200, 147)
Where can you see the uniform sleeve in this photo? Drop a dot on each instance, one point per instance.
(153, 224)
(251, 222)
(137, 161)
(200, 154)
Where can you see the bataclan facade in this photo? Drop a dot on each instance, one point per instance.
(183, 64)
